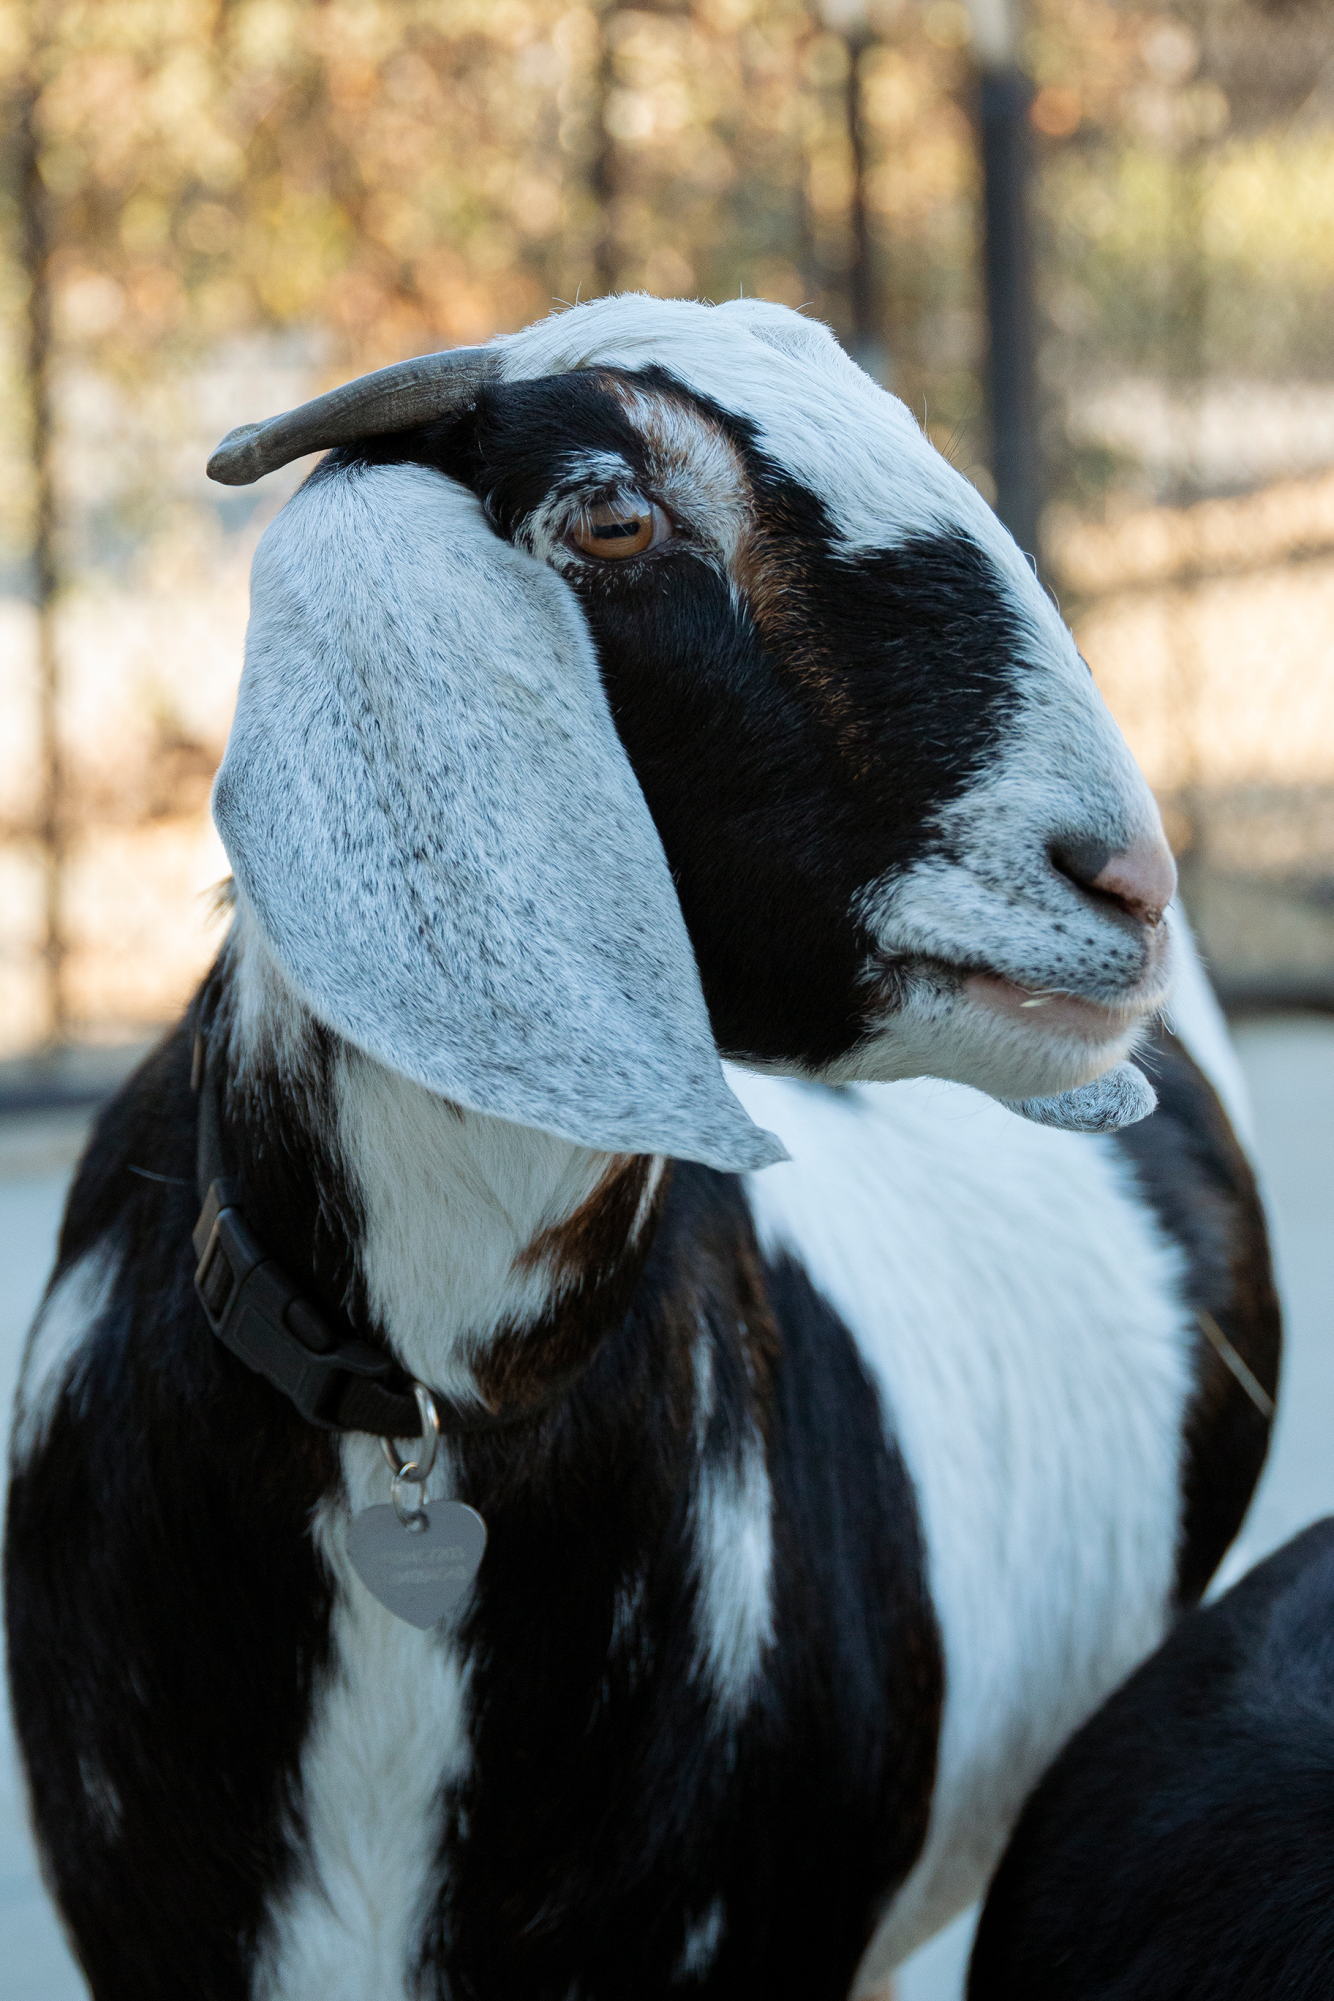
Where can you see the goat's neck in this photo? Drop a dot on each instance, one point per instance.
(489, 1256)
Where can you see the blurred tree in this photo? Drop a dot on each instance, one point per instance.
(212, 206)
(34, 236)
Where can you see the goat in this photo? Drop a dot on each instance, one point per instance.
(640, 687)
(1180, 1846)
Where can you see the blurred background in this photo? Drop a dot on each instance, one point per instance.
(1091, 246)
(1090, 243)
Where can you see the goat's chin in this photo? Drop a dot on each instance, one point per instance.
(998, 1037)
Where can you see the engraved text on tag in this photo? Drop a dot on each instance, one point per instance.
(418, 1573)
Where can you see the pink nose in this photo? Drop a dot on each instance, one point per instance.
(1142, 879)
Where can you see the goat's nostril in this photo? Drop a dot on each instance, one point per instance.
(1141, 878)
(1080, 856)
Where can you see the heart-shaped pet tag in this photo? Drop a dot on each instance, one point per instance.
(421, 1572)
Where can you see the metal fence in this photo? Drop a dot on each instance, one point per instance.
(214, 209)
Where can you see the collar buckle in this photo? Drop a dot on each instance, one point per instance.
(256, 1311)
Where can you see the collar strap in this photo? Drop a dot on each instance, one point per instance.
(256, 1311)
(335, 1379)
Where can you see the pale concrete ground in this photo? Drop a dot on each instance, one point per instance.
(1290, 1065)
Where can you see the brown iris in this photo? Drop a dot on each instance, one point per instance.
(614, 529)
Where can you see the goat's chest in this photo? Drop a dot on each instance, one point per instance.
(625, 1764)
(1022, 1315)
(648, 1726)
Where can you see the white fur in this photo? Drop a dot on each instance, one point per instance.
(703, 1939)
(696, 471)
(1120, 1097)
(1021, 1315)
(67, 1316)
(271, 1025)
(449, 1198)
(438, 833)
(734, 1560)
(389, 1736)
(701, 1362)
(444, 1234)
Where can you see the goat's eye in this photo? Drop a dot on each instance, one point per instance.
(614, 529)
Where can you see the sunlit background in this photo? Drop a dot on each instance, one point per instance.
(214, 208)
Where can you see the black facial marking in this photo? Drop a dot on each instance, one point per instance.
(782, 757)
(793, 747)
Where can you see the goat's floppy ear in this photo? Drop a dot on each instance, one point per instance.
(432, 818)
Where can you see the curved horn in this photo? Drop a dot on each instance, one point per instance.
(391, 399)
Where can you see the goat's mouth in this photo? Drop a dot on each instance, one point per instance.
(1008, 1036)
(1056, 1010)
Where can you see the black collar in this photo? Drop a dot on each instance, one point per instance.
(335, 1379)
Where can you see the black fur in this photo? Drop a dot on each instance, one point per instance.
(1200, 1185)
(1182, 1846)
(167, 1618)
(169, 1621)
(794, 748)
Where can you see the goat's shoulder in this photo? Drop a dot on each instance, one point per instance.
(124, 1245)
(156, 1536)
(1190, 1170)
(142, 1141)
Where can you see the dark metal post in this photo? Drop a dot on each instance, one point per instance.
(1004, 99)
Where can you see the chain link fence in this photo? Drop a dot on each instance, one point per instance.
(217, 209)
(1187, 251)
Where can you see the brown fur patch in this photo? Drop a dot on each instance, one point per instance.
(770, 572)
(697, 472)
(696, 468)
(594, 1259)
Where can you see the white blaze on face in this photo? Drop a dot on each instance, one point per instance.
(989, 898)
(990, 890)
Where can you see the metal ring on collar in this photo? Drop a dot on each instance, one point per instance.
(417, 1471)
(412, 1514)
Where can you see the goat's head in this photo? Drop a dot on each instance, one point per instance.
(866, 765)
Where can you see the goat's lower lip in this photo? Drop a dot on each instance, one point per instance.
(1044, 1009)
